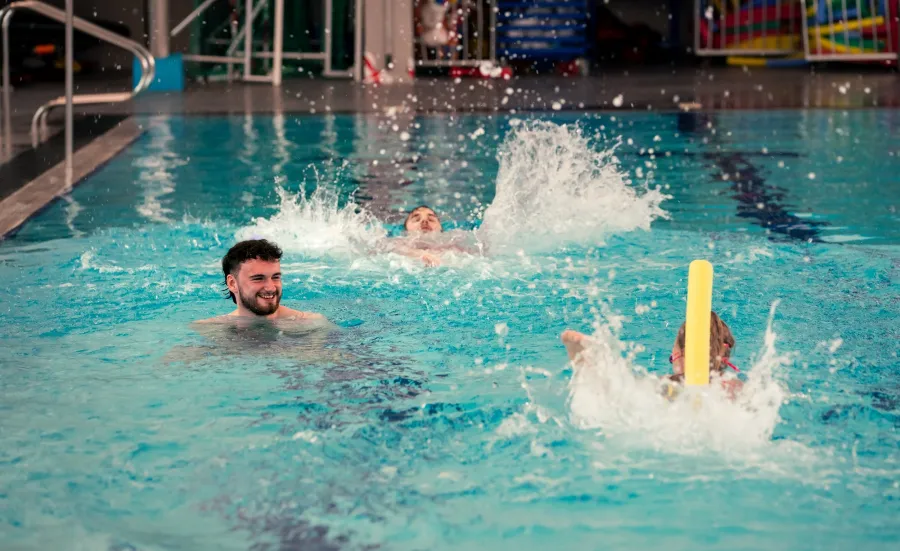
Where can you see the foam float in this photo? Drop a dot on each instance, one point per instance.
(697, 324)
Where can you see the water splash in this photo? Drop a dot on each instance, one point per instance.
(554, 189)
(317, 225)
(89, 262)
(610, 393)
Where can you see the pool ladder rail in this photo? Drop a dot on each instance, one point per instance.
(39, 120)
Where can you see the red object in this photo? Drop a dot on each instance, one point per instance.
(459, 72)
(464, 72)
(568, 68)
(674, 357)
(729, 364)
(611, 34)
(376, 74)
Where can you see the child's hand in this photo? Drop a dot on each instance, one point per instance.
(574, 342)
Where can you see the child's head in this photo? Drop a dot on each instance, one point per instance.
(721, 343)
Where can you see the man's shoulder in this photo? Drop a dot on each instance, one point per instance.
(290, 313)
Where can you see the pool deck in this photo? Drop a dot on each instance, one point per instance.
(658, 89)
(645, 89)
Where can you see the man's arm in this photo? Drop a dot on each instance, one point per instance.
(429, 258)
(289, 313)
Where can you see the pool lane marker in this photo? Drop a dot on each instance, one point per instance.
(697, 326)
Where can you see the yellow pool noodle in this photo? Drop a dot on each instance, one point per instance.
(696, 331)
(748, 61)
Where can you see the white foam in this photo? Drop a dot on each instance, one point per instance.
(554, 189)
(317, 225)
(849, 238)
(610, 393)
(88, 262)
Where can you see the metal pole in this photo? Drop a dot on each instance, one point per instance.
(846, 24)
(889, 24)
(887, 19)
(329, 22)
(194, 14)
(358, 43)
(278, 46)
(69, 90)
(386, 28)
(765, 24)
(159, 28)
(7, 85)
(248, 37)
(493, 33)
(4, 83)
(479, 33)
(830, 28)
(735, 37)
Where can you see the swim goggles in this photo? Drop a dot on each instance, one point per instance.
(673, 357)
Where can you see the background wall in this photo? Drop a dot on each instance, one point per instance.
(132, 14)
(111, 61)
(655, 14)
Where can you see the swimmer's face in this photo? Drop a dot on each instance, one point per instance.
(677, 359)
(423, 220)
(257, 286)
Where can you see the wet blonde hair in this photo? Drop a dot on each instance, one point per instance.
(721, 342)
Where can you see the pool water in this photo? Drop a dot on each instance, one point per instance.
(442, 413)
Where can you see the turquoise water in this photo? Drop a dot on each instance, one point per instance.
(442, 413)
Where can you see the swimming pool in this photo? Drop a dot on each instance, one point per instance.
(442, 414)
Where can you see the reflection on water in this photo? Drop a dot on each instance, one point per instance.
(757, 199)
(301, 340)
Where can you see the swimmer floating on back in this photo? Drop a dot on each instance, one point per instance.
(425, 238)
(721, 343)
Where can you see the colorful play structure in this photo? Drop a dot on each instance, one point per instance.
(775, 33)
(862, 28)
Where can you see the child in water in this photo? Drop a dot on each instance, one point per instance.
(721, 343)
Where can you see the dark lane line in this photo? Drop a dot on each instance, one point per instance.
(758, 201)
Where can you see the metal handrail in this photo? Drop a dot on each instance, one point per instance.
(193, 15)
(39, 121)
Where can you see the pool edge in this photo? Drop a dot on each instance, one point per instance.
(21, 205)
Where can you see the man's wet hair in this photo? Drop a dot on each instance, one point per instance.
(248, 250)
